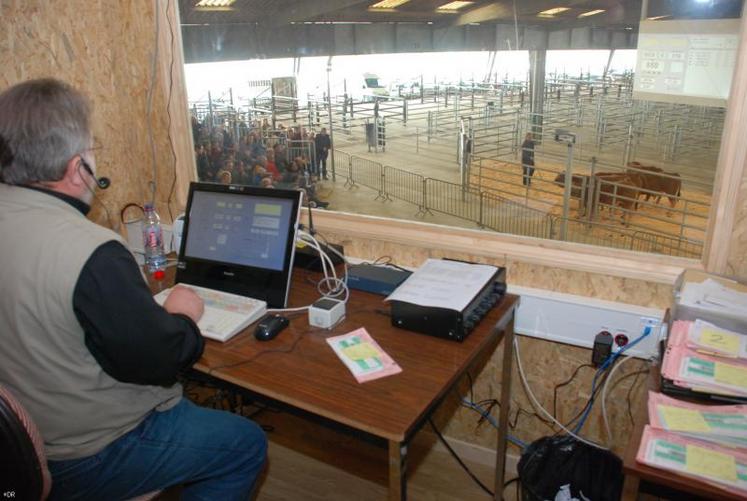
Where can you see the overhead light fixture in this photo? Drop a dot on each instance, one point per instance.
(656, 18)
(553, 12)
(388, 4)
(453, 6)
(214, 4)
(592, 13)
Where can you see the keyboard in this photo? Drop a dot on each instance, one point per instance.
(225, 314)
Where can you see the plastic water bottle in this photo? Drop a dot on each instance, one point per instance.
(155, 258)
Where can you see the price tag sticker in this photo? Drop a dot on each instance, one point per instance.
(725, 342)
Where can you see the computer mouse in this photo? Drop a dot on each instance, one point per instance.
(270, 326)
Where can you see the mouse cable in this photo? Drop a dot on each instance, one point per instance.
(257, 355)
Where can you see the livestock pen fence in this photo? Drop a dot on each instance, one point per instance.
(491, 210)
(608, 122)
(594, 186)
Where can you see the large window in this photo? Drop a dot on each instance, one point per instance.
(550, 142)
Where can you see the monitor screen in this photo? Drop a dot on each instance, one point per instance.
(686, 61)
(240, 239)
(239, 229)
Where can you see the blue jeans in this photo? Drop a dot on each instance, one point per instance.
(214, 454)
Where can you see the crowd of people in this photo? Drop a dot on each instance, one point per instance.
(290, 158)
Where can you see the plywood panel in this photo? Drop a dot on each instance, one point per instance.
(737, 262)
(105, 50)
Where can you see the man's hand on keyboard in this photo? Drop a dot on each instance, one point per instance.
(185, 301)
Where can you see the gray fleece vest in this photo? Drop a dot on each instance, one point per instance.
(79, 409)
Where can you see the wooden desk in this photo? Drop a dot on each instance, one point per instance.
(298, 368)
(642, 478)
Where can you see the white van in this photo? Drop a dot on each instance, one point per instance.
(371, 88)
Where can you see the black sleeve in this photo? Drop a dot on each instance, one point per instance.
(133, 338)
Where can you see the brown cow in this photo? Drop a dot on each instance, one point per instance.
(613, 189)
(618, 190)
(658, 181)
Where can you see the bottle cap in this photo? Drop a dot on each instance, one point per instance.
(159, 275)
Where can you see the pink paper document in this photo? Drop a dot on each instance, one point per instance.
(363, 356)
(691, 368)
(719, 466)
(721, 424)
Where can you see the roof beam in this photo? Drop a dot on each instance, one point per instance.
(309, 10)
(485, 13)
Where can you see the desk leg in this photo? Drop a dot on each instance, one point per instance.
(500, 458)
(397, 471)
(630, 488)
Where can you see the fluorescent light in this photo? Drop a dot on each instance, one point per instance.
(553, 11)
(388, 4)
(453, 6)
(592, 13)
(214, 3)
(656, 18)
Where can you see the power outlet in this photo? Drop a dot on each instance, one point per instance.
(576, 320)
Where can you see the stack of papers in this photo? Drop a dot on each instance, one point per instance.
(714, 296)
(705, 442)
(363, 356)
(721, 424)
(706, 358)
(718, 466)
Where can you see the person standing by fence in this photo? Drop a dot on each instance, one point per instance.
(322, 144)
(527, 159)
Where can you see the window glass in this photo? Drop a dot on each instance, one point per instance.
(610, 147)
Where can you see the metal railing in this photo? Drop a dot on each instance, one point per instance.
(491, 211)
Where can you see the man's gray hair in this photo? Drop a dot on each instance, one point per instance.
(43, 124)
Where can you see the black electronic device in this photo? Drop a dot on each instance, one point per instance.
(377, 279)
(308, 258)
(240, 239)
(602, 348)
(101, 182)
(270, 326)
(448, 323)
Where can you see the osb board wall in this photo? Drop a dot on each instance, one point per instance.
(737, 262)
(546, 363)
(104, 49)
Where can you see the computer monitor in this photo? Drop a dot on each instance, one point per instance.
(240, 239)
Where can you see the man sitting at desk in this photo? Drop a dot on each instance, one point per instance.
(85, 348)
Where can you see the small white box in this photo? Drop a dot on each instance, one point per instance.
(326, 312)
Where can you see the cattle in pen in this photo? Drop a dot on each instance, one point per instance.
(657, 182)
(605, 189)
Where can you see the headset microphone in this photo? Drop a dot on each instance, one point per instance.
(101, 182)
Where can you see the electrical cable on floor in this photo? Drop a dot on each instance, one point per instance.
(459, 460)
(606, 365)
(605, 387)
(470, 405)
(539, 407)
(561, 385)
(485, 413)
